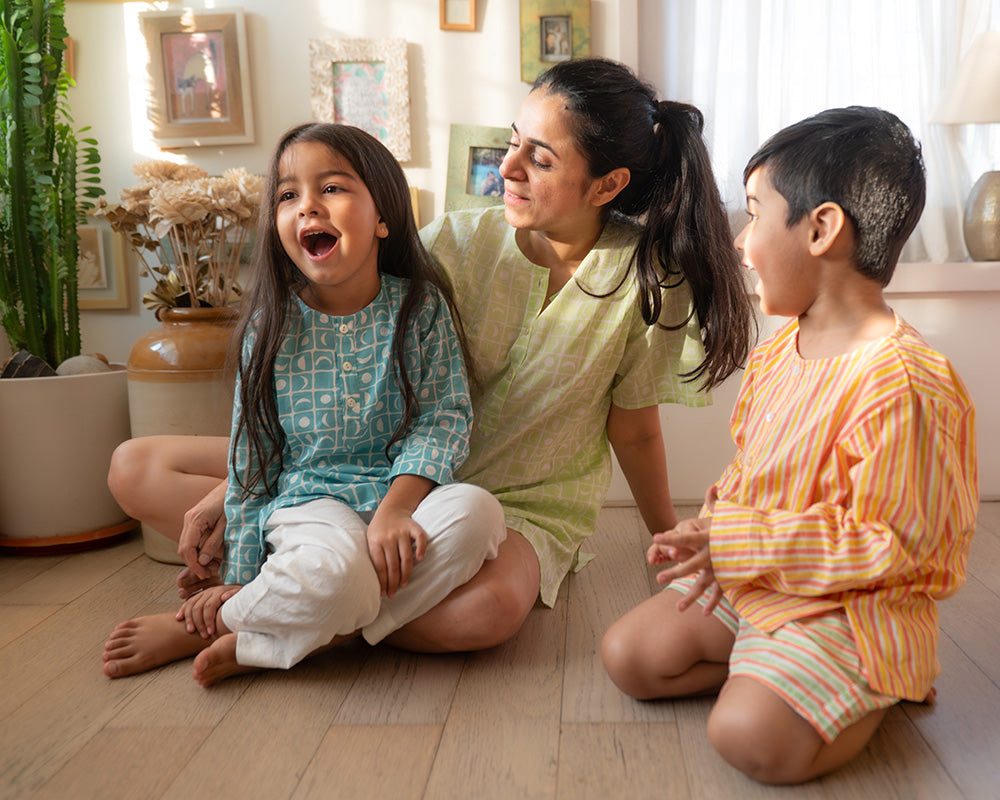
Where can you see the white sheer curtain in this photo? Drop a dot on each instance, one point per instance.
(754, 66)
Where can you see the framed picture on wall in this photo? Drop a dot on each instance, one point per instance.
(363, 82)
(474, 156)
(101, 269)
(200, 82)
(458, 15)
(552, 31)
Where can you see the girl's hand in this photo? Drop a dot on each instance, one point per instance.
(395, 542)
(200, 544)
(198, 612)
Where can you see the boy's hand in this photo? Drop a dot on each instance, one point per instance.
(688, 546)
(198, 612)
(395, 542)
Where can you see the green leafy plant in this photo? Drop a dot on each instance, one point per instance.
(48, 176)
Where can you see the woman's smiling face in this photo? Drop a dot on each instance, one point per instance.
(547, 180)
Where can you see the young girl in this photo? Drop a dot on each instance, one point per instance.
(352, 413)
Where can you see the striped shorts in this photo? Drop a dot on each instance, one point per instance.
(812, 664)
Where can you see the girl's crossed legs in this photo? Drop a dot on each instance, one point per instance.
(150, 472)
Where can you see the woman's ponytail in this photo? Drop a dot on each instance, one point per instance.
(618, 122)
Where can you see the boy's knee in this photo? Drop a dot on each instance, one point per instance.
(623, 660)
(748, 741)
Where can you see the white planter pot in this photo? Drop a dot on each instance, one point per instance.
(56, 439)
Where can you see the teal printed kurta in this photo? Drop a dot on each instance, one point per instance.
(548, 374)
(339, 404)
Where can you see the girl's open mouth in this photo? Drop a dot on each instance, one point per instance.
(319, 243)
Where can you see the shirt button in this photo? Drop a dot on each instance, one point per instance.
(344, 327)
(352, 403)
(769, 416)
(347, 366)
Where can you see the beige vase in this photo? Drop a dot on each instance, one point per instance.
(178, 383)
(57, 435)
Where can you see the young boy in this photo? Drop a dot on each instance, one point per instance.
(850, 506)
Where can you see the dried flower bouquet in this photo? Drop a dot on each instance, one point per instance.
(196, 224)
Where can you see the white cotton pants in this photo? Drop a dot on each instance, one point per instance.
(318, 580)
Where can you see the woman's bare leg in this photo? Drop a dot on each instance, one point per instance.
(156, 479)
(486, 611)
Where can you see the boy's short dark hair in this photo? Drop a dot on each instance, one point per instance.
(863, 159)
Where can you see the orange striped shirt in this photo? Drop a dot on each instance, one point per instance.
(854, 486)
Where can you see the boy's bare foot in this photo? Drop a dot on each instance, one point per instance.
(143, 643)
(218, 661)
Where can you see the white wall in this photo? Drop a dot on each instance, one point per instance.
(467, 78)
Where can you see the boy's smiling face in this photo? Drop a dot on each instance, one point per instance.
(777, 253)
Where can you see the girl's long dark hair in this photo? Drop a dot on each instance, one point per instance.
(618, 122)
(276, 279)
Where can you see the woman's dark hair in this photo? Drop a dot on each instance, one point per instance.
(266, 306)
(618, 122)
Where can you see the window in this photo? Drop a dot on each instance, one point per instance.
(754, 66)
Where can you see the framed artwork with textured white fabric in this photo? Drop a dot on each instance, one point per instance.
(365, 83)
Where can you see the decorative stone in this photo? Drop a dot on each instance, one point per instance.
(83, 365)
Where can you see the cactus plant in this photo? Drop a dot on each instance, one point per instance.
(49, 174)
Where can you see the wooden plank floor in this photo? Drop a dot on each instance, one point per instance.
(536, 718)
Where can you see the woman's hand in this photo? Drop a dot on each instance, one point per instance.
(200, 544)
(395, 543)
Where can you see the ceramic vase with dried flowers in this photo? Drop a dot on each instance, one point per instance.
(189, 231)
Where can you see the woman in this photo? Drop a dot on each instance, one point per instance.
(580, 319)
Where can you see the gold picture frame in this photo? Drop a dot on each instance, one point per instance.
(457, 15)
(363, 82)
(199, 77)
(102, 281)
(552, 31)
(474, 156)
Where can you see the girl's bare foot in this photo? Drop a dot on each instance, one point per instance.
(143, 643)
(218, 661)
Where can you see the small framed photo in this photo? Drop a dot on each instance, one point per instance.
(100, 267)
(458, 15)
(474, 156)
(365, 83)
(552, 31)
(556, 43)
(200, 81)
